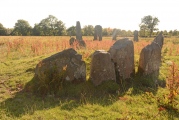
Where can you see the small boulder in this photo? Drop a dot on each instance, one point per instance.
(71, 41)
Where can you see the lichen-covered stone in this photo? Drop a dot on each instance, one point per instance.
(98, 32)
(63, 66)
(136, 36)
(78, 31)
(150, 58)
(102, 68)
(122, 54)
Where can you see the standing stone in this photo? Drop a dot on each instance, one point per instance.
(136, 36)
(98, 32)
(63, 66)
(102, 68)
(78, 31)
(114, 35)
(79, 39)
(150, 59)
(122, 54)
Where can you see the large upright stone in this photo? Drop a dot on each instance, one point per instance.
(136, 36)
(114, 35)
(150, 59)
(78, 31)
(102, 68)
(98, 32)
(122, 54)
(63, 66)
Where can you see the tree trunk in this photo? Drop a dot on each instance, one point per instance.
(151, 31)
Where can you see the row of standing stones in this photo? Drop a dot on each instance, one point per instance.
(97, 35)
(115, 64)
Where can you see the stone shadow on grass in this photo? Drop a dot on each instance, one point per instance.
(143, 84)
(71, 96)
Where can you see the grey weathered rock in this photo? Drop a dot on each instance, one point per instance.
(72, 40)
(78, 31)
(122, 54)
(150, 59)
(159, 40)
(114, 35)
(79, 43)
(136, 36)
(98, 32)
(102, 68)
(66, 65)
(79, 39)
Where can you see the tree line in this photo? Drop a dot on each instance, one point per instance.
(51, 26)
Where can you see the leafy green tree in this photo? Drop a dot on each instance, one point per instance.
(170, 33)
(149, 23)
(37, 30)
(129, 33)
(143, 31)
(60, 28)
(107, 31)
(88, 30)
(2, 30)
(49, 26)
(175, 33)
(123, 33)
(119, 32)
(22, 27)
(71, 31)
(165, 33)
(9, 31)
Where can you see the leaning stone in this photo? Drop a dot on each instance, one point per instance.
(159, 40)
(122, 54)
(114, 35)
(102, 68)
(150, 59)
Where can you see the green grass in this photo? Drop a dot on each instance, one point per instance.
(133, 101)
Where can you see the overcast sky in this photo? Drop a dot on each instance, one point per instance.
(122, 14)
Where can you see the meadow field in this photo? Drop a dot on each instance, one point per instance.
(19, 56)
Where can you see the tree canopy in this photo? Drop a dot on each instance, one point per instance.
(148, 24)
(2, 30)
(71, 31)
(22, 28)
(88, 30)
(49, 26)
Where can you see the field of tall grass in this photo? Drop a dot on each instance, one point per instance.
(19, 56)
